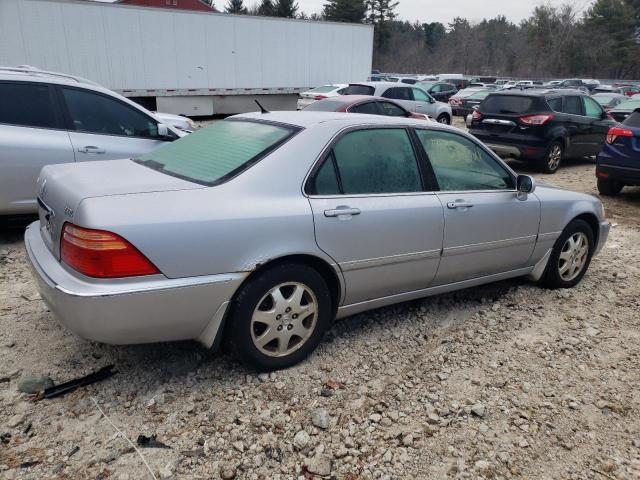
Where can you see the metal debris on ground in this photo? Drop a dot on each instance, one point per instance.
(150, 442)
(70, 386)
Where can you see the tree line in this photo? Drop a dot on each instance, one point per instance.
(601, 42)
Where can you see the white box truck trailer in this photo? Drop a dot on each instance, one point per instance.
(184, 62)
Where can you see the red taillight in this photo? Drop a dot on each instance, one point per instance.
(476, 115)
(615, 132)
(455, 101)
(101, 254)
(319, 97)
(535, 119)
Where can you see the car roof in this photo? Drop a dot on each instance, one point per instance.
(539, 92)
(351, 99)
(381, 84)
(26, 73)
(305, 119)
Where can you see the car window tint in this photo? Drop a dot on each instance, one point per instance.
(460, 164)
(419, 95)
(572, 106)
(555, 104)
(326, 105)
(391, 110)
(377, 161)
(507, 104)
(368, 107)
(592, 108)
(219, 151)
(94, 113)
(633, 120)
(326, 180)
(27, 105)
(359, 90)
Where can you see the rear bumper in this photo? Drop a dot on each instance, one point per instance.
(531, 149)
(628, 175)
(135, 310)
(304, 102)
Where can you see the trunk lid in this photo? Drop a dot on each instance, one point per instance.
(62, 187)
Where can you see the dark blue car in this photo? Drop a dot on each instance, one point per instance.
(618, 164)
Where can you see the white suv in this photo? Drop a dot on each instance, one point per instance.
(411, 97)
(48, 118)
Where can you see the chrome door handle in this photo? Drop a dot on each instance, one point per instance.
(91, 149)
(342, 210)
(459, 204)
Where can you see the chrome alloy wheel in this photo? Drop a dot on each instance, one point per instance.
(554, 158)
(284, 319)
(573, 256)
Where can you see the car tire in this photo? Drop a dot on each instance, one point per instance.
(570, 257)
(609, 187)
(444, 119)
(262, 333)
(552, 158)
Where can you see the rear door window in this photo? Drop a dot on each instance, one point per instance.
(555, 104)
(218, 152)
(95, 113)
(507, 104)
(367, 107)
(573, 105)
(398, 93)
(359, 90)
(392, 110)
(27, 105)
(375, 161)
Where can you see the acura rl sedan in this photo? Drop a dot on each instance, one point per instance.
(259, 230)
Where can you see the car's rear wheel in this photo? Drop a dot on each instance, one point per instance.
(444, 118)
(571, 256)
(553, 158)
(279, 317)
(609, 187)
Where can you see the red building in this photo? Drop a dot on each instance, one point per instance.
(199, 5)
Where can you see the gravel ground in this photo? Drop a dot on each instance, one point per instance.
(503, 381)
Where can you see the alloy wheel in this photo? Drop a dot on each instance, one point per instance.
(284, 319)
(554, 158)
(573, 256)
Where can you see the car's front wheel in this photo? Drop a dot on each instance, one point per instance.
(570, 256)
(552, 159)
(279, 317)
(444, 119)
(609, 187)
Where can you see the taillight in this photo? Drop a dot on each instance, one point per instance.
(535, 119)
(102, 254)
(476, 115)
(615, 132)
(455, 101)
(319, 97)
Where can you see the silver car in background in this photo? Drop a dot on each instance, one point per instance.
(320, 93)
(48, 118)
(260, 229)
(412, 97)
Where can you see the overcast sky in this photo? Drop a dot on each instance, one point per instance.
(445, 10)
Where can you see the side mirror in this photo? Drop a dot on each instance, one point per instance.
(164, 133)
(432, 100)
(525, 184)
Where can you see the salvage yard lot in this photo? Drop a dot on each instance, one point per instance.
(504, 381)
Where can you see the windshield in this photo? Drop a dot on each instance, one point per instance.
(629, 105)
(356, 89)
(603, 99)
(324, 89)
(218, 152)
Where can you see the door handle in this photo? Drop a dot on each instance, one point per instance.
(342, 210)
(91, 149)
(459, 204)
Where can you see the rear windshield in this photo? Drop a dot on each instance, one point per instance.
(629, 105)
(218, 152)
(327, 105)
(479, 95)
(507, 104)
(603, 99)
(324, 89)
(359, 90)
(633, 120)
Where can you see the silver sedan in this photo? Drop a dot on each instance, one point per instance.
(259, 230)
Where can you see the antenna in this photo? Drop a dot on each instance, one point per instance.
(262, 109)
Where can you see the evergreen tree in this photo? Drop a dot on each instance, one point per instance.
(353, 11)
(381, 14)
(286, 8)
(266, 8)
(235, 6)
